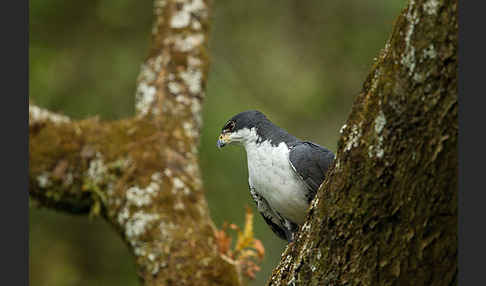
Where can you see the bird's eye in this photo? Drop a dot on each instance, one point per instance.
(230, 126)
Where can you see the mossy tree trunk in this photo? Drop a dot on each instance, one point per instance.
(142, 173)
(387, 212)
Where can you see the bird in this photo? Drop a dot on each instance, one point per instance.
(284, 172)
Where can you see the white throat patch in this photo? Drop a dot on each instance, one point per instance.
(245, 136)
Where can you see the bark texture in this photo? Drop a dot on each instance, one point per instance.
(387, 212)
(142, 173)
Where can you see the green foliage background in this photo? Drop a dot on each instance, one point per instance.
(300, 62)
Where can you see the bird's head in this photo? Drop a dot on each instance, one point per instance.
(241, 128)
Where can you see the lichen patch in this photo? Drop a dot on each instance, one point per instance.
(142, 196)
(408, 57)
(377, 149)
(174, 87)
(145, 97)
(193, 80)
(430, 52)
(186, 43)
(193, 62)
(43, 180)
(182, 17)
(380, 122)
(343, 128)
(97, 170)
(196, 112)
(137, 224)
(37, 114)
(431, 7)
(353, 138)
(146, 93)
(179, 185)
(189, 129)
(133, 217)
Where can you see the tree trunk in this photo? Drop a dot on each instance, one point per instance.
(142, 173)
(387, 212)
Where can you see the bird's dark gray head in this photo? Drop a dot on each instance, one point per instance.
(251, 126)
(246, 119)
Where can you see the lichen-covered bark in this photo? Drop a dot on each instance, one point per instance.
(142, 173)
(387, 212)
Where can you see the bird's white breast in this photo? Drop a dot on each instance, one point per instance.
(272, 176)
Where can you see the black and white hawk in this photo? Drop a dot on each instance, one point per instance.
(284, 172)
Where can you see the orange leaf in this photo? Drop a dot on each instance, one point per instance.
(223, 241)
(257, 244)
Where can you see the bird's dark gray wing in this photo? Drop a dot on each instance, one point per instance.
(272, 219)
(311, 162)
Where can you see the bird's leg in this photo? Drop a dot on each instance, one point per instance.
(290, 230)
(289, 236)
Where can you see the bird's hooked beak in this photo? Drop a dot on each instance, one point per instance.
(223, 140)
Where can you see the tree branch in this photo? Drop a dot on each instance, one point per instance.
(387, 212)
(142, 173)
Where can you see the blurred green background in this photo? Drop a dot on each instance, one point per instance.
(300, 62)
